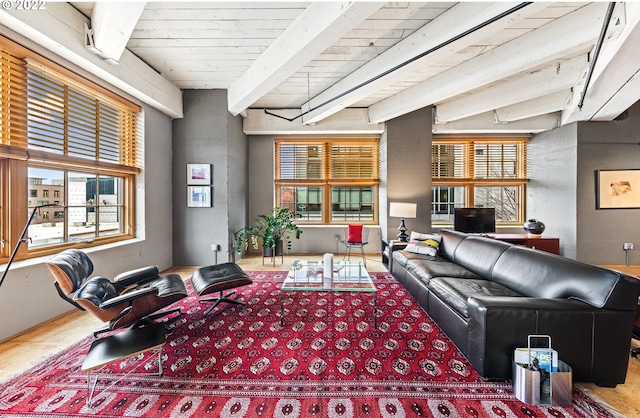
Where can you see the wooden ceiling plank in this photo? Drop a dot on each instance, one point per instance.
(316, 29)
(59, 30)
(458, 19)
(571, 33)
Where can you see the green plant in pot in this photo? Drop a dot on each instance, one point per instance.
(276, 230)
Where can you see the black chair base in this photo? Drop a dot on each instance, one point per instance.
(219, 300)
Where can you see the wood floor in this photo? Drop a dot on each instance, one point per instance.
(24, 350)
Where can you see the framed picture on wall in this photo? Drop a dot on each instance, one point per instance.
(199, 174)
(199, 196)
(618, 189)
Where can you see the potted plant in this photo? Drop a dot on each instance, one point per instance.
(275, 229)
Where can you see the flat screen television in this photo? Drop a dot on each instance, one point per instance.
(474, 220)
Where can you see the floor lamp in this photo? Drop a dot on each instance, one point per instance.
(402, 210)
(22, 239)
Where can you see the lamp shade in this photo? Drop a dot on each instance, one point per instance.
(402, 210)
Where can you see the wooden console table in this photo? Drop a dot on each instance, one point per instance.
(548, 244)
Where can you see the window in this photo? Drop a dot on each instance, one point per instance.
(328, 181)
(481, 172)
(68, 145)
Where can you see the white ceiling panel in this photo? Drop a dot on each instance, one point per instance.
(390, 59)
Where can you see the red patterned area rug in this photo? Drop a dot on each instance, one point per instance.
(326, 360)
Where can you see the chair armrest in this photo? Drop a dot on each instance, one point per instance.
(129, 296)
(136, 276)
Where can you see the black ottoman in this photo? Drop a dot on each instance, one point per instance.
(218, 278)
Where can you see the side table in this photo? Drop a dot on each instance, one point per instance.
(388, 247)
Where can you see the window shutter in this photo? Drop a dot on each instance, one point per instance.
(65, 120)
(13, 126)
(354, 161)
(496, 161)
(450, 161)
(299, 161)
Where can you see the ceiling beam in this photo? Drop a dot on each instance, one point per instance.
(58, 32)
(435, 38)
(352, 121)
(560, 75)
(573, 33)
(484, 123)
(112, 24)
(614, 84)
(317, 28)
(550, 103)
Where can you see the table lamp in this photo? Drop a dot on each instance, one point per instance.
(402, 210)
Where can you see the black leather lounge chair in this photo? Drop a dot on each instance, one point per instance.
(130, 299)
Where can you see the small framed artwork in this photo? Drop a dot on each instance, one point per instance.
(199, 174)
(618, 189)
(199, 196)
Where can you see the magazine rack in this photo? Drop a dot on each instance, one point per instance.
(531, 386)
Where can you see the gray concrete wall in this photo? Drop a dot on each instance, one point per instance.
(562, 187)
(207, 135)
(551, 191)
(28, 297)
(408, 142)
(607, 146)
(238, 181)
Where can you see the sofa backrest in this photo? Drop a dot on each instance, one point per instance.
(450, 241)
(545, 275)
(479, 254)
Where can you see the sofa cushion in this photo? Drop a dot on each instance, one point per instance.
(429, 269)
(423, 243)
(455, 291)
(402, 257)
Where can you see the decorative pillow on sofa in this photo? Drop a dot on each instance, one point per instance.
(423, 243)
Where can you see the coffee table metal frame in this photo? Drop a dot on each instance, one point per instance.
(348, 276)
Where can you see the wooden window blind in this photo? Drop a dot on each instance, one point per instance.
(328, 180)
(469, 159)
(13, 108)
(310, 160)
(354, 161)
(66, 120)
(51, 119)
(484, 172)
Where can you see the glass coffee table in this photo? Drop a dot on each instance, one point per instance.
(348, 276)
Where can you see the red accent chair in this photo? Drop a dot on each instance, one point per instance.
(356, 236)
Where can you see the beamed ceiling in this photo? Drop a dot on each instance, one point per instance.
(305, 67)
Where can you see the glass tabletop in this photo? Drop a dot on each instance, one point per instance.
(348, 276)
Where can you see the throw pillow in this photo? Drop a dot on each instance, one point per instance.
(355, 233)
(423, 243)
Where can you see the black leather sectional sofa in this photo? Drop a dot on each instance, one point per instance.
(488, 296)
